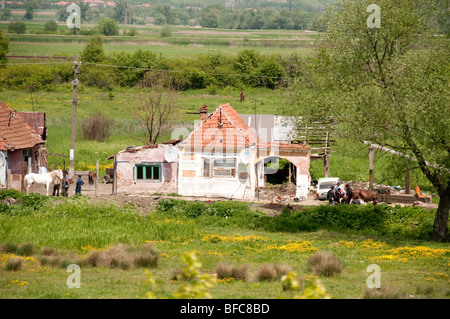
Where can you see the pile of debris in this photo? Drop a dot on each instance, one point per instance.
(278, 193)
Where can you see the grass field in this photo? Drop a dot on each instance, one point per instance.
(184, 41)
(76, 228)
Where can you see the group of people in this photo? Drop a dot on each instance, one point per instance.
(64, 183)
(336, 195)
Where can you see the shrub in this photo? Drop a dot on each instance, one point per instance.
(93, 50)
(133, 32)
(10, 193)
(8, 248)
(118, 257)
(178, 274)
(108, 26)
(25, 75)
(272, 272)
(266, 273)
(47, 251)
(224, 270)
(166, 31)
(281, 270)
(53, 261)
(325, 264)
(96, 128)
(13, 264)
(124, 257)
(146, 256)
(34, 200)
(231, 271)
(17, 27)
(25, 249)
(51, 26)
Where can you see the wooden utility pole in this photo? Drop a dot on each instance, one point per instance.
(75, 83)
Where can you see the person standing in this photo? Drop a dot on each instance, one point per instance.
(56, 187)
(331, 196)
(65, 184)
(79, 184)
(349, 194)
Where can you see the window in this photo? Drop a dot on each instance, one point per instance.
(224, 167)
(147, 172)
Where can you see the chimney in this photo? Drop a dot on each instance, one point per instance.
(203, 113)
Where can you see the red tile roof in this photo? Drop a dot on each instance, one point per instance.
(225, 129)
(15, 133)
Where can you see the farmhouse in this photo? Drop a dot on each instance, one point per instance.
(20, 146)
(221, 157)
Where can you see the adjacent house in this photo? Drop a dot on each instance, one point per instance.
(19, 145)
(150, 168)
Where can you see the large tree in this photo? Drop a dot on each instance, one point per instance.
(387, 85)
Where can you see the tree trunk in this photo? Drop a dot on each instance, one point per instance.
(441, 221)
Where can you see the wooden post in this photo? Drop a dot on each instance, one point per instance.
(408, 182)
(371, 166)
(96, 182)
(114, 188)
(56, 165)
(326, 161)
(326, 165)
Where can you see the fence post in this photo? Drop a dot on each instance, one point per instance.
(96, 182)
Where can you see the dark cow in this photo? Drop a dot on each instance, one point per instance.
(366, 195)
(92, 178)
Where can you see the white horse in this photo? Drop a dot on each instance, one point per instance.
(45, 179)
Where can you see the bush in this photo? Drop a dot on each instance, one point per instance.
(47, 251)
(266, 273)
(124, 257)
(108, 26)
(96, 128)
(7, 248)
(146, 256)
(51, 26)
(325, 264)
(17, 27)
(166, 31)
(26, 75)
(10, 193)
(13, 264)
(224, 271)
(26, 249)
(34, 200)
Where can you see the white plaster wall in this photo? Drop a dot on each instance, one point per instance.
(214, 186)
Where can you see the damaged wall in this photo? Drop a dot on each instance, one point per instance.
(129, 180)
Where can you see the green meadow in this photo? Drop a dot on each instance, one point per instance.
(48, 235)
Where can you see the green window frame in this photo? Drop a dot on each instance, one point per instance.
(147, 172)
